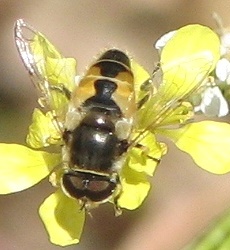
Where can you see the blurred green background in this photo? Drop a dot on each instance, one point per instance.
(184, 198)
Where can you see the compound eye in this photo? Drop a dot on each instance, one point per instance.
(93, 187)
(73, 185)
(98, 185)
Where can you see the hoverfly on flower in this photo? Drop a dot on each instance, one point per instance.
(105, 126)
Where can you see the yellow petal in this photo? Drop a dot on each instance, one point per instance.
(178, 115)
(215, 235)
(140, 74)
(135, 188)
(186, 60)
(41, 46)
(207, 142)
(42, 132)
(51, 64)
(63, 219)
(141, 77)
(61, 71)
(21, 167)
(53, 74)
(146, 158)
(61, 77)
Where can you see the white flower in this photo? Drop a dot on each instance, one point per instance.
(213, 103)
(223, 70)
(225, 43)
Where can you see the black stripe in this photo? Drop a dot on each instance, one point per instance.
(116, 55)
(102, 99)
(111, 68)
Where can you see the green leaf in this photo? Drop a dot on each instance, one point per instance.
(215, 237)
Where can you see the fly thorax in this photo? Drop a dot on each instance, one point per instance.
(94, 144)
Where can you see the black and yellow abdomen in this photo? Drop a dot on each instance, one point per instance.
(108, 83)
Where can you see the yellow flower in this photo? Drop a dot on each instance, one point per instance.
(207, 142)
(186, 60)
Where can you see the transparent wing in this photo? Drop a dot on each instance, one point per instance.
(186, 61)
(170, 100)
(52, 74)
